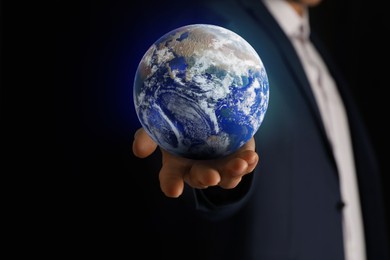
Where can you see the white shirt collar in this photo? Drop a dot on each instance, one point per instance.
(288, 19)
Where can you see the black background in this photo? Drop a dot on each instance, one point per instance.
(93, 51)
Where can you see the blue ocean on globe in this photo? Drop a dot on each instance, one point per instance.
(201, 91)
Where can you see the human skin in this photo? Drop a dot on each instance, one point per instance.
(300, 5)
(225, 172)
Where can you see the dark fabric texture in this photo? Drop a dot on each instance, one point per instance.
(290, 207)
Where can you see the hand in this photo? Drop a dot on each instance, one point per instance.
(225, 172)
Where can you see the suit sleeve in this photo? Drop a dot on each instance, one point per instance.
(216, 202)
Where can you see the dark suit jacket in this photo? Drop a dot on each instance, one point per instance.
(290, 207)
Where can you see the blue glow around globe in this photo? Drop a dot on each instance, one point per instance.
(201, 91)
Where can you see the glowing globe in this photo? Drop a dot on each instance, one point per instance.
(201, 91)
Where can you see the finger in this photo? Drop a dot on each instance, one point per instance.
(251, 158)
(233, 172)
(171, 182)
(252, 163)
(203, 175)
(229, 183)
(143, 145)
(240, 163)
(172, 174)
(246, 153)
(234, 169)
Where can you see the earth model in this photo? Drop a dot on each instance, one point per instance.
(201, 91)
